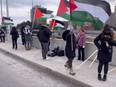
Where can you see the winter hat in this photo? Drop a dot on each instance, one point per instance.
(106, 29)
(65, 33)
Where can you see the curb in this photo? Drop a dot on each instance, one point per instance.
(45, 69)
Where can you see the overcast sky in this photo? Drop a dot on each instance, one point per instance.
(19, 10)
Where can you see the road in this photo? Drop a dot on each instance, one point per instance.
(13, 73)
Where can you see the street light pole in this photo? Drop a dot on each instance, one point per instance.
(32, 3)
(7, 9)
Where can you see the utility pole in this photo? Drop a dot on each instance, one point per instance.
(32, 3)
(7, 8)
(1, 10)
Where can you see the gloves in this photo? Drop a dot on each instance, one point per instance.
(83, 46)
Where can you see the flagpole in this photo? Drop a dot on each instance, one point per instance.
(111, 70)
(71, 24)
(33, 17)
(86, 60)
(7, 8)
(55, 17)
(93, 61)
(32, 3)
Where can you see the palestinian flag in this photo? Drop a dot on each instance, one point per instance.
(56, 24)
(41, 15)
(79, 12)
(7, 21)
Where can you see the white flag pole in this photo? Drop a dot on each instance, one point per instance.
(86, 60)
(93, 61)
(111, 70)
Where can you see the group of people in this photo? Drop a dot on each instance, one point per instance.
(72, 42)
(104, 42)
(25, 35)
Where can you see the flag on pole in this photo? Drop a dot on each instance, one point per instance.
(42, 16)
(37, 14)
(56, 24)
(82, 11)
(7, 21)
(62, 8)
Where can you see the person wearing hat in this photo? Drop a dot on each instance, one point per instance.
(44, 38)
(104, 42)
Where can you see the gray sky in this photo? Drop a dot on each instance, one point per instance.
(19, 10)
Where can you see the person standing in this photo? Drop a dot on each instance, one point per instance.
(70, 48)
(2, 34)
(27, 35)
(15, 35)
(104, 42)
(44, 38)
(81, 41)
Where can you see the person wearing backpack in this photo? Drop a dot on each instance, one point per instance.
(27, 35)
(104, 42)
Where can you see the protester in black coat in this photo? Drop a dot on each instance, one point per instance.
(2, 35)
(104, 42)
(44, 38)
(15, 36)
(70, 48)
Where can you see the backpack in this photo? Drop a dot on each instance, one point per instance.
(51, 54)
(60, 53)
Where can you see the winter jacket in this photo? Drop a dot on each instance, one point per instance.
(14, 34)
(44, 34)
(70, 45)
(105, 48)
(81, 40)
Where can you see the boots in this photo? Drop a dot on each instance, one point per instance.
(29, 47)
(71, 72)
(104, 77)
(99, 77)
(66, 65)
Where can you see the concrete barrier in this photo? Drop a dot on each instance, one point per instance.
(89, 48)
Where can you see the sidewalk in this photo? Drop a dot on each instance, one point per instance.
(56, 64)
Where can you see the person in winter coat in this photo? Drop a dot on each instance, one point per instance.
(2, 35)
(81, 41)
(104, 42)
(15, 35)
(44, 38)
(70, 48)
(27, 35)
